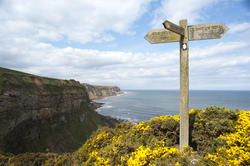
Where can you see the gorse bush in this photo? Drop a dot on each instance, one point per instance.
(218, 136)
(207, 125)
(130, 144)
(237, 148)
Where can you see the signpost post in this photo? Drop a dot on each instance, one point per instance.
(183, 33)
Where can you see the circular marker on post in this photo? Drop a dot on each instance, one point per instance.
(184, 46)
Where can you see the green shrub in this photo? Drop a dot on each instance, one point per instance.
(208, 125)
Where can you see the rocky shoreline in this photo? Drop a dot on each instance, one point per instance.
(95, 105)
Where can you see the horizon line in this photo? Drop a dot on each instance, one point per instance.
(189, 90)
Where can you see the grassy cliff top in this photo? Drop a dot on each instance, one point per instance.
(4, 70)
(45, 80)
(100, 86)
(22, 74)
(11, 79)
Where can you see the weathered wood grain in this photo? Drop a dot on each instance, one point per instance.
(156, 36)
(184, 87)
(174, 28)
(206, 31)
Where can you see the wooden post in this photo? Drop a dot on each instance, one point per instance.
(184, 87)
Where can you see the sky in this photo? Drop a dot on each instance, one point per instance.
(102, 42)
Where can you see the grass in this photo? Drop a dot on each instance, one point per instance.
(18, 79)
(14, 72)
(101, 86)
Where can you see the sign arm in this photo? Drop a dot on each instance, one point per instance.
(174, 28)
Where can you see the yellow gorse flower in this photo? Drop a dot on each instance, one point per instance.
(144, 155)
(195, 111)
(142, 128)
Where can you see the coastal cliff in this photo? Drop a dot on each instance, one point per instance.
(99, 92)
(39, 114)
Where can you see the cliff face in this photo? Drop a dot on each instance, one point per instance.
(99, 92)
(40, 114)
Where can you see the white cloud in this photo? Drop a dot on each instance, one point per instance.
(223, 63)
(77, 20)
(175, 10)
(125, 69)
(241, 27)
(217, 49)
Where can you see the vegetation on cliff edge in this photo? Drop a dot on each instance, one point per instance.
(33, 84)
(218, 137)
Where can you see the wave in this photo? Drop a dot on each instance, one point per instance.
(132, 120)
(107, 106)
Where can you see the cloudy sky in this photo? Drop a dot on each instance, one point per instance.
(102, 42)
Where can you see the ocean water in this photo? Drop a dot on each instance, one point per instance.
(136, 106)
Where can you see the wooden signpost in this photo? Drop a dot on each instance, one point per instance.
(183, 33)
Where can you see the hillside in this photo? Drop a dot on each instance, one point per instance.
(39, 114)
(218, 137)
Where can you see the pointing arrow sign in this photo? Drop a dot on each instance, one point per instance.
(206, 31)
(161, 36)
(174, 28)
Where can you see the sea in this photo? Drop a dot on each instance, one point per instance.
(140, 105)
